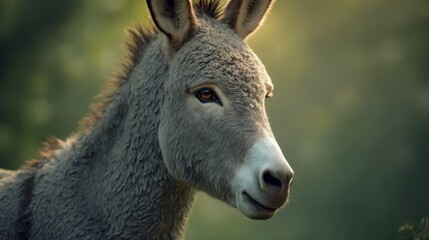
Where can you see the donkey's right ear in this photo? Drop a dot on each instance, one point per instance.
(174, 18)
(245, 16)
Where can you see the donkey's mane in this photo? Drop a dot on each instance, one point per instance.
(211, 8)
(136, 40)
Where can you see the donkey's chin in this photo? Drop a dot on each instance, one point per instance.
(253, 208)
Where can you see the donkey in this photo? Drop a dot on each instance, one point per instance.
(187, 114)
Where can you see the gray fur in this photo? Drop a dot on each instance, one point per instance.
(134, 173)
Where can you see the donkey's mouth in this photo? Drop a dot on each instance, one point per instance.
(257, 204)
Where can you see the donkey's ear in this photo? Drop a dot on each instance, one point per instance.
(245, 16)
(175, 18)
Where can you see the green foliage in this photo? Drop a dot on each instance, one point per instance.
(419, 231)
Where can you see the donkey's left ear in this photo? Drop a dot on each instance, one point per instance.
(174, 18)
(245, 16)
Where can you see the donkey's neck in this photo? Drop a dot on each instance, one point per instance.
(135, 197)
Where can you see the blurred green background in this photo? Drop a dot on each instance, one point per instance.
(351, 105)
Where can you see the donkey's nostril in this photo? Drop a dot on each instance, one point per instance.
(270, 180)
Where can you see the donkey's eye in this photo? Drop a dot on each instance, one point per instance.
(206, 95)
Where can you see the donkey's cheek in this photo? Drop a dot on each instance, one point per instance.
(166, 149)
(177, 155)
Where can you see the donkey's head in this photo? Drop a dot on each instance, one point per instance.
(214, 133)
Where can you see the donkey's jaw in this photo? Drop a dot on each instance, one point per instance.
(261, 184)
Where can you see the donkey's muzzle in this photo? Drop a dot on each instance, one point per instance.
(262, 183)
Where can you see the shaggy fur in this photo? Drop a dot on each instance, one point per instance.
(132, 170)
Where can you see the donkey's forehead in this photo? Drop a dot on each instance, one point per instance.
(216, 54)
